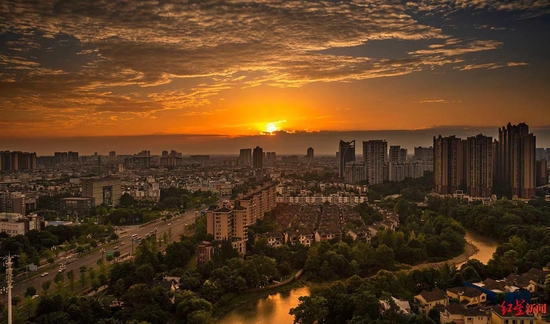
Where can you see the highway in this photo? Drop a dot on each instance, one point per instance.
(176, 225)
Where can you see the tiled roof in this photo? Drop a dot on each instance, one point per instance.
(430, 296)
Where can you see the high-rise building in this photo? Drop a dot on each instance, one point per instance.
(258, 158)
(399, 171)
(479, 166)
(403, 155)
(448, 164)
(310, 153)
(426, 155)
(375, 156)
(72, 157)
(17, 161)
(515, 160)
(61, 157)
(345, 154)
(245, 157)
(542, 172)
(395, 153)
(541, 154)
(355, 172)
(270, 157)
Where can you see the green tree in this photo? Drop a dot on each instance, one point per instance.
(126, 200)
(70, 276)
(31, 291)
(51, 261)
(45, 286)
(59, 277)
(310, 309)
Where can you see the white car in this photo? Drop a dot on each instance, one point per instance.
(44, 274)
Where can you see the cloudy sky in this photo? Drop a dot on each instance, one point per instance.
(231, 67)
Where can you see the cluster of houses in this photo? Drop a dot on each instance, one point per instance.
(316, 223)
(483, 302)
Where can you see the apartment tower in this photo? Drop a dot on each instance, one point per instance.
(448, 164)
(515, 160)
(479, 166)
(375, 156)
(345, 154)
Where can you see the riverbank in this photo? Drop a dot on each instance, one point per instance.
(469, 250)
(241, 300)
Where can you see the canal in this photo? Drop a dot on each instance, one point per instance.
(274, 309)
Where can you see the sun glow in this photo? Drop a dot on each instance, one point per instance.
(271, 128)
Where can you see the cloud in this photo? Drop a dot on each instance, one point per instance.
(432, 101)
(490, 66)
(147, 46)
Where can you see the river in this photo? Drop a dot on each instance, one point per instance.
(274, 309)
(486, 246)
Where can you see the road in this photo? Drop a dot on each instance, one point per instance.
(175, 224)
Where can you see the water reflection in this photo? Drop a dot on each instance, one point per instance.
(485, 245)
(272, 309)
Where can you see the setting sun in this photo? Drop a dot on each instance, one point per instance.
(271, 127)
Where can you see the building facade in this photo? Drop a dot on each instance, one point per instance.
(310, 153)
(515, 160)
(103, 191)
(355, 173)
(448, 164)
(375, 156)
(426, 155)
(345, 154)
(479, 166)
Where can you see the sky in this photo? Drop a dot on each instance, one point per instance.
(220, 72)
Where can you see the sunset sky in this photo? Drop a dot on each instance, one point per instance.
(117, 68)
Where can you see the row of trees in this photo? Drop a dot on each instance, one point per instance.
(357, 300)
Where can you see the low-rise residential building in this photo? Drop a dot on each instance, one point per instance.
(205, 252)
(274, 239)
(456, 313)
(428, 300)
(467, 296)
(327, 235)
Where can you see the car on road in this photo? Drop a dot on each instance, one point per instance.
(44, 274)
(122, 243)
(115, 248)
(169, 224)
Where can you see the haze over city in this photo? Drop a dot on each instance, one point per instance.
(238, 69)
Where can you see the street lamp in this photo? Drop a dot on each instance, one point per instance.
(102, 253)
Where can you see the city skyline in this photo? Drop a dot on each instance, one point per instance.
(243, 68)
(325, 143)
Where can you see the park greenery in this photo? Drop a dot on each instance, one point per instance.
(349, 277)
(521, 227)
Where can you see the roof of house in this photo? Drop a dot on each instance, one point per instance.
(222, 210)
(430, 296)
(466, 291)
